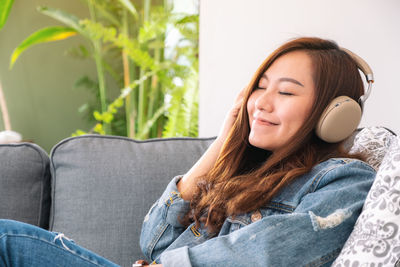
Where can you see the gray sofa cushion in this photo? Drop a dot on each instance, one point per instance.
(103, 187)
(24, 184)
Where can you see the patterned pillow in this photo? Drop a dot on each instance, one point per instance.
(375, 240)
(373, 142)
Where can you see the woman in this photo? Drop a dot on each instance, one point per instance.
(267, 192)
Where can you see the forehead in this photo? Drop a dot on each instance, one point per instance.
(297, 65)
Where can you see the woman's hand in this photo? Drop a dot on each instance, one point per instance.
(231, 116)
(187, 185)
(145, 263)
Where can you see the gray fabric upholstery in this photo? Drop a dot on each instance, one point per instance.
(103, 187)
(24, 184)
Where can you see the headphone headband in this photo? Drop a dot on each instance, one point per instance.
(366, 69)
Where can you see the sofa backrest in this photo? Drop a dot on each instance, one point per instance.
(24, 183)
(103, 186)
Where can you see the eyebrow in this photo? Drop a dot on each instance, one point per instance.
(285, 79)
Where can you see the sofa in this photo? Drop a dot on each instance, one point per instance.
(97, 189)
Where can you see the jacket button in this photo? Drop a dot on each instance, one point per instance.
(256, 216)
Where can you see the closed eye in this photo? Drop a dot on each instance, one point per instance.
(285, 93)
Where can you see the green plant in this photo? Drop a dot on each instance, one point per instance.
(129, 45)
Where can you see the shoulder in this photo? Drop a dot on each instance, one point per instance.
(346, 170)
(343, 162)
(332, 174)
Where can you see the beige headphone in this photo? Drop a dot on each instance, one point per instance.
(342, 116)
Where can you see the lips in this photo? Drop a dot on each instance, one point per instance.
(264, 121)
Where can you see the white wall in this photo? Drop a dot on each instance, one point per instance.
(236, 36)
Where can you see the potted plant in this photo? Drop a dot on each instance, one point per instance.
(158, 84)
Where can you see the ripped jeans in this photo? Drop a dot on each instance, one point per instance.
(26, 245)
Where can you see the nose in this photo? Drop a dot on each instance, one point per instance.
(264, 101)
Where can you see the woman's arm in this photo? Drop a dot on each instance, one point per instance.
(187, 184)
(162, 220)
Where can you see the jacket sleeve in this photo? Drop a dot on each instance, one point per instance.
(312, 235)
(161, 225)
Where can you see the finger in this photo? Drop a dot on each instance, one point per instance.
(243, 91)
(236, 108)
(241, 94)
(238, 104)
(141, 262)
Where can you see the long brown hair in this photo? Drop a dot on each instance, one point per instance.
(245, 178)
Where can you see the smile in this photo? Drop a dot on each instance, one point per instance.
(263, 122)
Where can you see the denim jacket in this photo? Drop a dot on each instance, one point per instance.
(306, 224)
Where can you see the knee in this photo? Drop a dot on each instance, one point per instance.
(5, 224)
(18, 229)
(10, 226)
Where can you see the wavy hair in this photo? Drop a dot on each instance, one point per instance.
(245, 178)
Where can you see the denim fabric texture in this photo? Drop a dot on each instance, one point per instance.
(306, 224)
(25, 245)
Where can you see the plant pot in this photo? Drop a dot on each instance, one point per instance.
(7, 137)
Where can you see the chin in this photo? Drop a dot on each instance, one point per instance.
(256, 142)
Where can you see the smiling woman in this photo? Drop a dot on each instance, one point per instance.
(268, 191)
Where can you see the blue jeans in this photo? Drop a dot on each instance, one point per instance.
(23, 244)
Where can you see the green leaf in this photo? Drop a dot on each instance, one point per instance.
(107, 117)
(88, 83)
(142, 133)
(119, 102)
(78, 133)
(5, 8)
(105, 11)
(64, 17)
(112, 109)
(191, 97)
(83, 108)
(98, 116)
(128, 5)
(193, 18)
(45, 35)
(79, 52)
(99, 129)
(174, 125)
(140, 56)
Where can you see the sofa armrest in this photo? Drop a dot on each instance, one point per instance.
(24, 184)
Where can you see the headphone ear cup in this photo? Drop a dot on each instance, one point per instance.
(339, 120)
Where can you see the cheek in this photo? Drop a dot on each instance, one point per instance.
(251, 107)
(296, 114)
